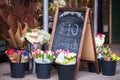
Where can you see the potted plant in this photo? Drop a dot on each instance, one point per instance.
(37, 39)
(18, 60)
(43, 61)
(66, 64)
(105, 55)
(108, 61)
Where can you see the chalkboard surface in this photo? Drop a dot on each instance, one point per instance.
(68, 31)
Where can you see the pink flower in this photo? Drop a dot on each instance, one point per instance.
(10, 51)
(58, 51)
(22, 51)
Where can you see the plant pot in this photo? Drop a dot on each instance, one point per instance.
(17, 70)
(66, 72)
(108, 68)
(43, 70)
(91, 66)
(27, 66)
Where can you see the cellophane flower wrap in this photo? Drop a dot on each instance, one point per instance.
(65, 57)
(37, 36)
(108, 55)
(43, 56)
(99, 39)
(17, 55)
(99, 42)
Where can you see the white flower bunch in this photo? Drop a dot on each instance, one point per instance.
(46, 36)
(99, 39)
(65, 57)
(59, 3)
(37, 37)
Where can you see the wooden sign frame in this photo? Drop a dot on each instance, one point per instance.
(87, 44)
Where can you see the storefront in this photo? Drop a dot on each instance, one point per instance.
(108, 15)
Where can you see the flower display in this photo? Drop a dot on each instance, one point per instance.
(106, 54)
(16, 55)
(43, 56)
(99, 39)
(54, 4)
(59, 3)
(37, 36)
(102, 50)
(65, 57)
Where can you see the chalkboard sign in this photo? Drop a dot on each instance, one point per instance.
(68, 30)
(72, 31)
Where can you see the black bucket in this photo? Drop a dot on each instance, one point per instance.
(108, 68)
(43, 71)
(66, 72)
(27, 66)
(17, 70)
(91, 66)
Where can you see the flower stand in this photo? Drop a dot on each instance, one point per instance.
(43, 70)
(108, 68)
(66, 72)
(17, 70)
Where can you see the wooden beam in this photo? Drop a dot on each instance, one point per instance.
(110, 21)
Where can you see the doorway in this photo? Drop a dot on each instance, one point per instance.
(116, 21)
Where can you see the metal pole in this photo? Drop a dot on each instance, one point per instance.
(95, 17)
(45, 15)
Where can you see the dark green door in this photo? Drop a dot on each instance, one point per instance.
(116, 21)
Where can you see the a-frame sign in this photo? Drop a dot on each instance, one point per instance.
(72, 31)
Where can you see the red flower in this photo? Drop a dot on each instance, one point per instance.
(10, 51)
(99, 34)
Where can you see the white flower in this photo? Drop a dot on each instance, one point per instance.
(60, 58)
(99, 39)
(59, 3)
(37, 36)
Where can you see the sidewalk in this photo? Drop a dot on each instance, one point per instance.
(82, 75)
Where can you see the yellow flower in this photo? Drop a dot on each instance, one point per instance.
(118, 58)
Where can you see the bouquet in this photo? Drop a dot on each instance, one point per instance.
(65, 57)
(36, 36)
(107, 54)
(104, 52)
(17, 56)
(43, 56)
(99, 39)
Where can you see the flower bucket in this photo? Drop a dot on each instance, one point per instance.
(43, 70)
(17, 70)
(66, 72)
(91, 66)
(27, 66)
(108, 68)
